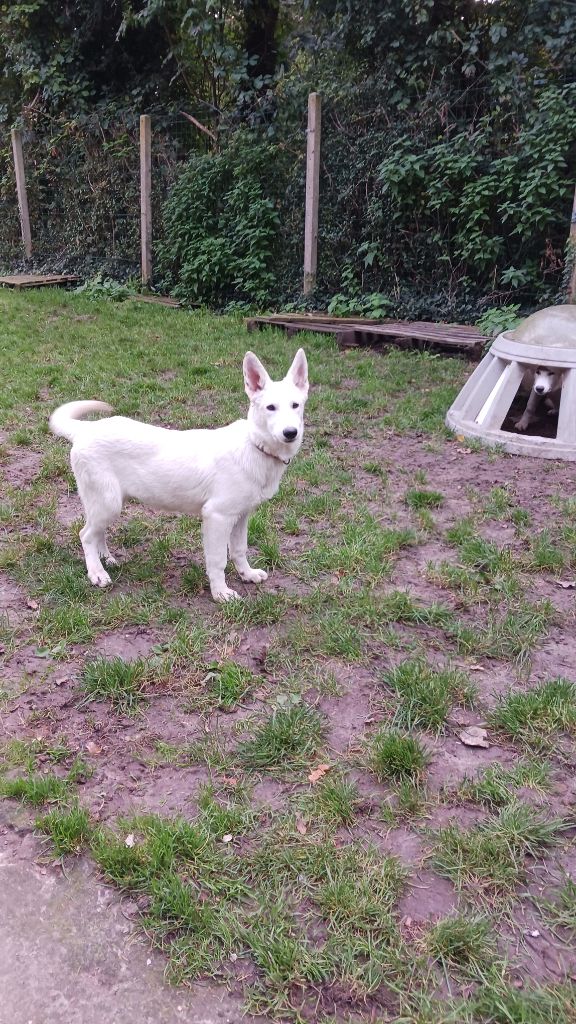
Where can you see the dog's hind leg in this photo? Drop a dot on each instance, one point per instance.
(238, 550)
(216, 530)
(102, 501)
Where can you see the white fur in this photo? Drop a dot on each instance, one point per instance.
(543, 383)
(221, 475)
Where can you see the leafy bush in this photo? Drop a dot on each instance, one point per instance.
(221, 226)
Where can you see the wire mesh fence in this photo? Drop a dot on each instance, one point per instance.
(83, 190)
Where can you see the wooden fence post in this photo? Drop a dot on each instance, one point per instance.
(21, 190)
(312, 191)
(571, 296)
(146, 197)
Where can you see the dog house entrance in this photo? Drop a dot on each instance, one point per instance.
(491, 401)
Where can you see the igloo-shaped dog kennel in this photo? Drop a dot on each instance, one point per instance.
(545, 339)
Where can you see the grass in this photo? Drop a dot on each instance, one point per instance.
(426, 694)
(546, 709)
(397, 757)
(35, 790)
(463, 944)
(488, 861)
(69, 830)
(497, 786)
(121, 682)
(267, 876)
(419, 500)
(285, 741)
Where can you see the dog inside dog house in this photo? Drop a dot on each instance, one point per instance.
(522, 396)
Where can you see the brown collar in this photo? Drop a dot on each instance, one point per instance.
(271, 455)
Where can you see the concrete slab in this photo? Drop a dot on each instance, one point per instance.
(68, 955)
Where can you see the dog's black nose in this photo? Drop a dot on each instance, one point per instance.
(539, 390)
(290, 433)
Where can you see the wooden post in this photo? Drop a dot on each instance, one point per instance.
(146, 197)
(21, 190)
(312, 191)
(571, 296)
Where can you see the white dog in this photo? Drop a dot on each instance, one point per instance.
(543, 383)
(222, 475)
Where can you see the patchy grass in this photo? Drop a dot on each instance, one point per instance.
(261, 877)
(488, 861)
(497, 786)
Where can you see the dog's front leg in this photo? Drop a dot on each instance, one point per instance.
(238, 550)
(216, 530)
(530, 412)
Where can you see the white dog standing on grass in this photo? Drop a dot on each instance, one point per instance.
(222, 475)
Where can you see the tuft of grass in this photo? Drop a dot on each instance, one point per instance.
(334, 800)
(464, 944)
(285, 741)
(487, 861)
(121, 682)
(392, 755)
(419, 500)
(227, 682)
(547, 708)
(427, 693)
(69, 830)
(35, 789)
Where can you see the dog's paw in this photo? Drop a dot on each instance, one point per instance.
(100, 578)
(224, 594)
(523, 423)
(254, 576)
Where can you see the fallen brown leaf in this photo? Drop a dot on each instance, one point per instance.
(93, 748)
(566, 584)
(301, 826)
(317, 773)
(474, 736)
(32, 604)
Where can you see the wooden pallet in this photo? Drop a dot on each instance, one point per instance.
(352, 332)
(37, 280)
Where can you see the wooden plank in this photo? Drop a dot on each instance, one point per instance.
(146, 197)
(312, 192)
(37, 280)
(21, 191)
(158, 300)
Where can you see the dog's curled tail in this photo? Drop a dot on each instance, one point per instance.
(63, 420)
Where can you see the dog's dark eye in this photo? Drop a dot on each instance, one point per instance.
(271, 408)
(295, 405)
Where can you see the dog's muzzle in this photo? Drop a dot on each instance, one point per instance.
(290, 434)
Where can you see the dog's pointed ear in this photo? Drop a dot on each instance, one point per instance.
(255, 375)
(298, 372)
